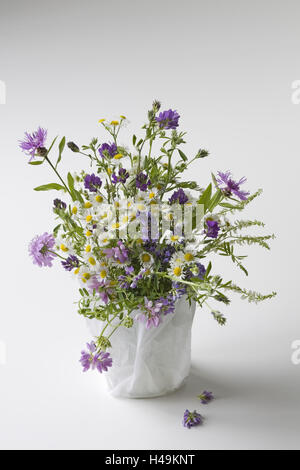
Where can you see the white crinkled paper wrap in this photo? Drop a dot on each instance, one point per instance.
(150, 362)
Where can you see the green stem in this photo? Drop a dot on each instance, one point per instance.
(58, 175)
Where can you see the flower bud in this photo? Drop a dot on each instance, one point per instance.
(73, 147)
(41, 152)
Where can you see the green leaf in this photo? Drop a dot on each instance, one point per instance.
(182, 155)
(48, 187)
(60, 148)
(205, 197)
(134, 139)
(78, 196)
(53, 142)
(70, 182)
(38, 162)
(208, 269)
(215, 200)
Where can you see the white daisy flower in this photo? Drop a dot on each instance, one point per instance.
(104, 239)
(146, 259)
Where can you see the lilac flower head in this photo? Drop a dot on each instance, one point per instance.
(100, 361)
(118, 253)
(191, 418)
(206, 397)
(229, 186)
(58, 204)
(108, 150)
(178, 197)
(40, 248)
(168, 119)
(92, 183)
(121, 177)
(212, 228)
(33, 142)
(70, 263)
(101, 286)
(142, 181)
(152, 311)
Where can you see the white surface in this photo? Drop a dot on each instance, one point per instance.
(227, 67)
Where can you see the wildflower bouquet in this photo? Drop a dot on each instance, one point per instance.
(135, 235)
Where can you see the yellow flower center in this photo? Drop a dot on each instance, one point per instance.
(88, 233)
(74, 210)
(122, 117)
(101, 120)
(86, 276)
(114, 123)
(188, 257)
(105, 240)
(88, 218)
(118, 156)
(99, 198)
(109, 171)
(88, 248)
(177, 271)
(63, 247)
(146, 258)
(117, 204)
(88, 204)
(104, 215)
(103, 274)
(174, 238)
(151, 195)
(76, 271)
(92, 261)
(125, 219)
(116, 225)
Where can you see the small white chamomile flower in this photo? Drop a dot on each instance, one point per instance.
(146, 259)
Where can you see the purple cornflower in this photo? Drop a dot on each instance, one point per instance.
(70, 263)
(121, 177)
(206, 397)
(40, 248)
(197, 271)
(179, 197)
(108, 150)
(100, 361)
(168, 119)
(191, 418)
(118, 253)
(212, 228)
(92, 183)
(58, 204)
(142, 181)
(33, 142)
(229, 186)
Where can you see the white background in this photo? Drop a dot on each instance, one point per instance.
(227, 67)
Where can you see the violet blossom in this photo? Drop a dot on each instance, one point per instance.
(92, 183)
(206, 397)
(191, 418)
(90, 359)
(178, 197)
(34, 143)
(168, 119)
(212, 228)
(142, 181)
(229, 186)
(40, 248)
(108, 150)
(70, 263)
